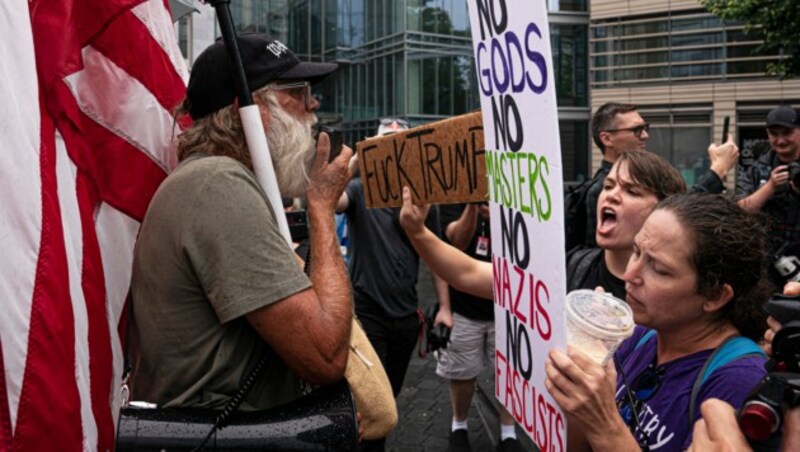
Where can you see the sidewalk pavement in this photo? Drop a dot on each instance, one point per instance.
(424, 408)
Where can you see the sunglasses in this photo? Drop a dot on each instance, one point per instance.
(637, 130)
(387, 121)
(299, 90)
(643, 389)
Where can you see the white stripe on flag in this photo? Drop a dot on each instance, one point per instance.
(156, 18)
(73, 243)
(20, 191)
(116, 234)
(121, 104)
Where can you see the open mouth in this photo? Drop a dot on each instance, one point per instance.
(608, 219)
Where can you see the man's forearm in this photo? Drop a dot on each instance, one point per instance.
(330, 280)
(755, 202)
(442, 291)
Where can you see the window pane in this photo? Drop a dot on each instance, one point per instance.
(574, 149)
(566, 5)
(689, 153)
(568, 44)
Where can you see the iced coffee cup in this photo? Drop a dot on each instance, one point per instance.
(597, 323)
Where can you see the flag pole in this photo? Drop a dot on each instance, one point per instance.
(251, 118)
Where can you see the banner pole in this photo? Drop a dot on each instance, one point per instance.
(251, 118)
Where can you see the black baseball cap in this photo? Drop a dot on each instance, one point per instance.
(783, 116)
(264, 59)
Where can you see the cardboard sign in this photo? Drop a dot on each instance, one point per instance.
(441, 162)
(511, 43)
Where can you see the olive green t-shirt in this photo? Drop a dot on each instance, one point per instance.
(209, 251)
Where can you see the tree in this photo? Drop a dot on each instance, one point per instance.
(776, 21)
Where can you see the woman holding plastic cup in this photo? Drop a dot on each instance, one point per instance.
(633, 187)
(694, 281)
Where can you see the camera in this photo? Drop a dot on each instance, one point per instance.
(761, 416)
(298, 225)
(336, 136)
(787, 264)
(794, 173)
(437, 336)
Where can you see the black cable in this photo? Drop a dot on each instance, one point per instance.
(235, 401)
(631, 403)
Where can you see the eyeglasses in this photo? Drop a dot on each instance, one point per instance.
(387, 121)
(643, 389)
(298, 90)
(637, 130)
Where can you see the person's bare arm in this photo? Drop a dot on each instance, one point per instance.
(755, 202)
(310, 330)
(460, 232)
(459, 270)
(445, 314)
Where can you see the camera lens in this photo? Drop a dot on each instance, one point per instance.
(758, 420)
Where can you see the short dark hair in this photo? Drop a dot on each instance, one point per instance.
(604, 118)
(729, 247)
(653, 172)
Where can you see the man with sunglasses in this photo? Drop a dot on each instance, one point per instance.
(215, 287)
(616, 128)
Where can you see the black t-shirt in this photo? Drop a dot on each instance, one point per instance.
(383, 264)
(595, 273)
(470, 306)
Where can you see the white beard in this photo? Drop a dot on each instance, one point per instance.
(292, 148)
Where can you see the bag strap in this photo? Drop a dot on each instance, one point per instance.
(646, 337)
(578, 263)
(422, 329)
(735, 347)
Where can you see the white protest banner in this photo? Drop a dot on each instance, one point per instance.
(523, 163)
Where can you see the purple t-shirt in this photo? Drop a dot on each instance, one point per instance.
(663, 417)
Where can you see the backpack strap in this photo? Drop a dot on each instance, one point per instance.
(735, 347)
(646, 337)
(577, 264)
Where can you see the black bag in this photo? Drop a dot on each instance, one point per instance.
(435, 337)
(325, 419)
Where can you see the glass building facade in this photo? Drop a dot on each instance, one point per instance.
(673, 47)
(687, 70)
(412, 59)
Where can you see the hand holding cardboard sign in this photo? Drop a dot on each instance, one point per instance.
(412, 217)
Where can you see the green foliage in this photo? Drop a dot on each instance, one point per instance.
(777, 21)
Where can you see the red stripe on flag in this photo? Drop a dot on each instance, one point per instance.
(49, 400)
(5, 414)
(127, 43)
(124, 176)
(94, 293)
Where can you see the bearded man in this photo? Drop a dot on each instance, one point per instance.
(215, 286)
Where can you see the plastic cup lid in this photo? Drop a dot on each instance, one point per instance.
(600, 312)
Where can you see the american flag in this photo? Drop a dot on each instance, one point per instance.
(86, 90)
